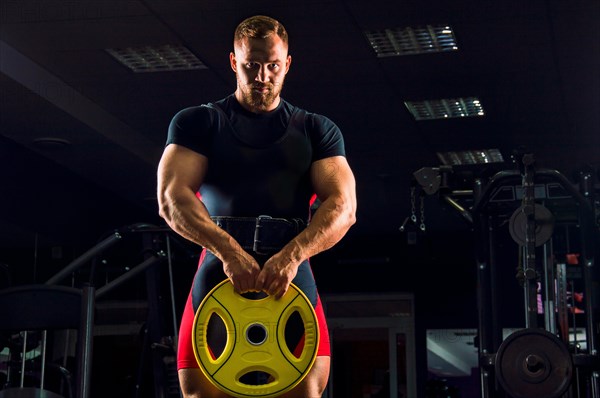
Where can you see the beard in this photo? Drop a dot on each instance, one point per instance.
(260, 100)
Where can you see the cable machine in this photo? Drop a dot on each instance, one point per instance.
(536, 238)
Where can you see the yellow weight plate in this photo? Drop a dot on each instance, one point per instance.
(255, 341)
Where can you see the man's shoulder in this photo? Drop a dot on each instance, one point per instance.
(320, 121)
(313, 118)
(223, 104)
(310, 113)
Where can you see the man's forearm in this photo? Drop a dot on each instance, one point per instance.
(331, 221)
(187, 216)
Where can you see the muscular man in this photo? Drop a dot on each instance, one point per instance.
(253, 154)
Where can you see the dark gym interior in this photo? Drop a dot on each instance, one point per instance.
(472, 129)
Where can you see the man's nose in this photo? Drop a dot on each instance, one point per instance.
(262, 74)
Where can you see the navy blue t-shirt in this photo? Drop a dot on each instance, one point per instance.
(258, 164)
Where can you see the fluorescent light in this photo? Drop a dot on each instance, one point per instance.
(157, 58)
(479, 156)
(445, 108)
(408, 40)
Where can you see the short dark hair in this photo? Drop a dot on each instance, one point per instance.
(260, 27)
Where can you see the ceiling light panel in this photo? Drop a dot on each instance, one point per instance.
(480, 156)
(164, 58)
(445, 108)
(409, 41)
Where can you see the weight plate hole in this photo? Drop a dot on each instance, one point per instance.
(256, 334)
(534, 365)
(254, 295)
(256, 378)
(294, 334)
(216, 335)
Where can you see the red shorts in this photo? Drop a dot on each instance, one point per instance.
(185, 351)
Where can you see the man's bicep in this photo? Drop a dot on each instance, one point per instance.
(332, 176)
(181, 167)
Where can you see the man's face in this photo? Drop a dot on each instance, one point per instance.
(260, 66)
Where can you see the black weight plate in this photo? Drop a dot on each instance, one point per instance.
(544, 225)
(533, 363)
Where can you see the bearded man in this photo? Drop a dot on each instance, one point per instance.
(253, 158)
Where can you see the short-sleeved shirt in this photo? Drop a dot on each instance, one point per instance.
(258, 164)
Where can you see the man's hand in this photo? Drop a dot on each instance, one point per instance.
(276, 275)
(242, 270)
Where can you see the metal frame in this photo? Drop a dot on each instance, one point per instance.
(484, 220)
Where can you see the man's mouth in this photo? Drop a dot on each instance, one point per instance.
(261, 89)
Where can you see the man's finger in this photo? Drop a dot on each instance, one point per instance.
(282, 292)
(260, 282)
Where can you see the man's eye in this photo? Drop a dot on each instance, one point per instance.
(251, 65)
(274, 66)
